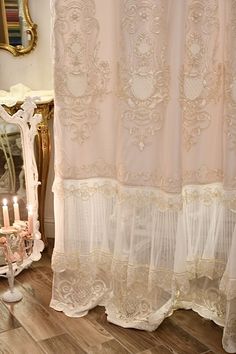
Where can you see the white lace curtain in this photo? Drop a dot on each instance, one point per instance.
(145, 138)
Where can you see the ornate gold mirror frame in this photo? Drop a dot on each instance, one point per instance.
(30, 30)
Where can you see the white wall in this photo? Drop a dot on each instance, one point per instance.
(35, 71)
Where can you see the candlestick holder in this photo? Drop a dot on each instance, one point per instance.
(17, 244)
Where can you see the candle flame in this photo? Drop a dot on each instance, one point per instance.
(15, 199)
(4, 201)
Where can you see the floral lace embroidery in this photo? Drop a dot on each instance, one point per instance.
(78, 287)
(144, 196)
(134, 294)
(84, 82)
(173, 184)
(200, 80)
(209, 299)
(144, 74)
(228, 285)
(111, 189)
(230, 80)
(136, 291)
(231, 108)
(203, 174)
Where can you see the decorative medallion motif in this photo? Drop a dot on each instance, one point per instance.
(84, 83)
(144, 74)
(200, 80)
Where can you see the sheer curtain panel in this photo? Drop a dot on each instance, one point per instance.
(145, 165)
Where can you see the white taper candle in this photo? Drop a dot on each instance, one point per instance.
(6, 220)
(16, 209)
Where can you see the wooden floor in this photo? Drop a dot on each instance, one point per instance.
(32, 327)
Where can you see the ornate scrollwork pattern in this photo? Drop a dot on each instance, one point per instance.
(137, 289)
(231, 108)
(200, 80)
(206, 195)
(230, 81)
(82, 87)
(154, 178)
(144, 73)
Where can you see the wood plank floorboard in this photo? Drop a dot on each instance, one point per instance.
(198, 327)
(178, 340)
(111, 347)
(85, 332)
(18, 341)
(160, 349)
(34, 317)
(7, 320)
(134, 340)
(31, 326)
(61, 344)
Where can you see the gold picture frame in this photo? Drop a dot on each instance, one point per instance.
(31, 31)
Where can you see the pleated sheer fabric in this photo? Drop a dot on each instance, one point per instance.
(145, 139)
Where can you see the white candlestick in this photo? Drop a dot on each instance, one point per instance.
(30, 219)
(16, 209)
(6, 221)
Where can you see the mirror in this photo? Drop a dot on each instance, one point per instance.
(18, 33)
(12, 176)
(18, 170)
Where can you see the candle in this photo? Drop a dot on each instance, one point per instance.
(30, 219)
(16, 209)
(6, 221)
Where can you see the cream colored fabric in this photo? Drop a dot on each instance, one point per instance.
(145, 138)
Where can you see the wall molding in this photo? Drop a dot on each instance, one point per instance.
(49, 225)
